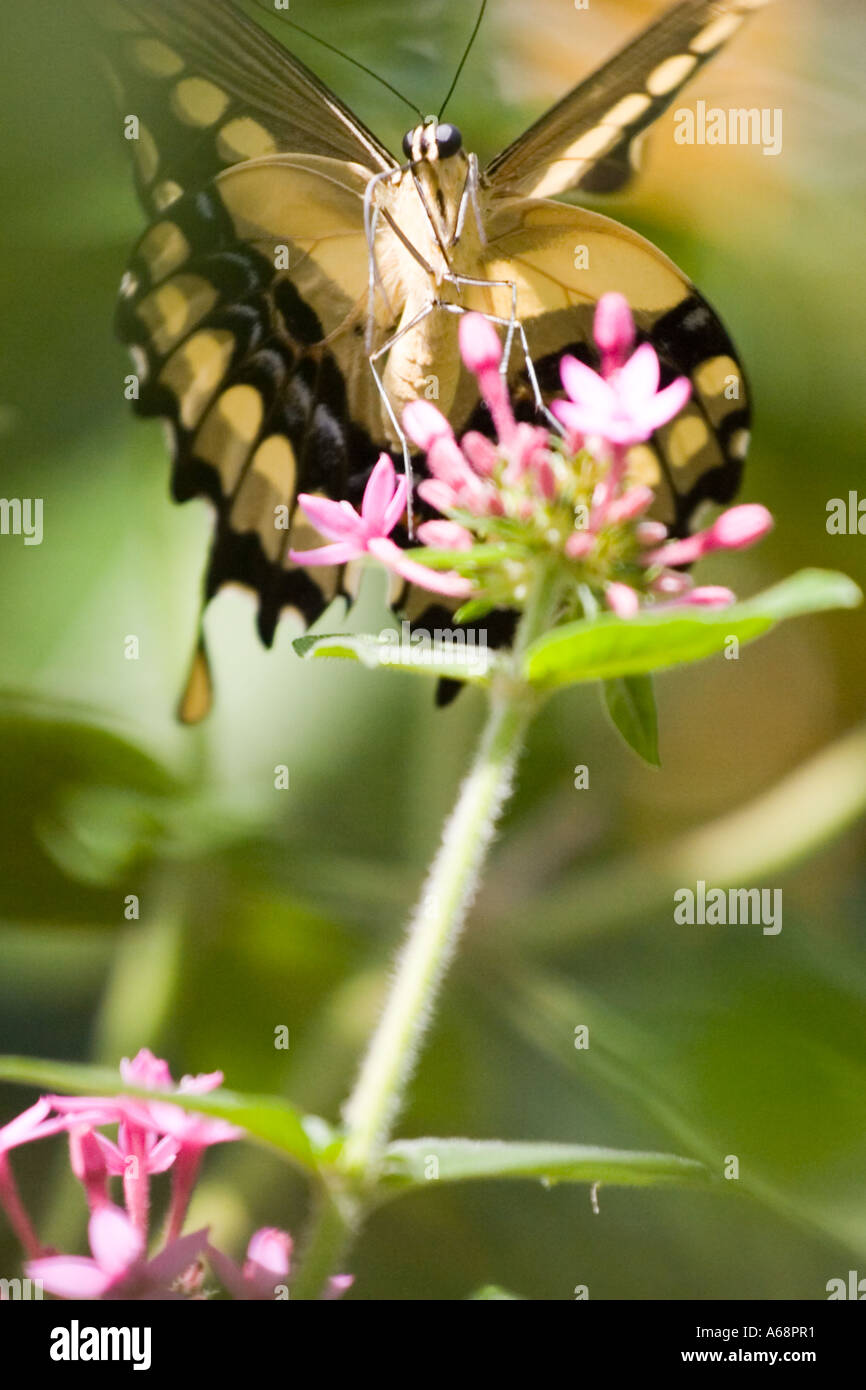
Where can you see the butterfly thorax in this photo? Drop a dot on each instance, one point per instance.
(426, 239)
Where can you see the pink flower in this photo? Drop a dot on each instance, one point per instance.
(735, 529)
(266, 1268)
(32, 1123)
(355, 534)
(119, 1268)
(626, 407)
(481, 351)
(455, 483)
(29, 1125)
(269, 1256)
(622, 600)
(445, 535)
(613, 330)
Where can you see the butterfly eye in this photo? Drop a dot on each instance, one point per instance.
(449, 141)
(407, 143)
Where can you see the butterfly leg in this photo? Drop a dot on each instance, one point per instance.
(469, 197)
(371, 223)
(513, 325)
(373, 359)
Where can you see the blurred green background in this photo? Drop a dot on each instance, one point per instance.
(262, 907)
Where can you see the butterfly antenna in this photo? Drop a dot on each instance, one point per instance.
(332, 48)
(466, 53)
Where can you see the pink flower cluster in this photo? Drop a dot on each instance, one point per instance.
(153, 1137)
(525, 488)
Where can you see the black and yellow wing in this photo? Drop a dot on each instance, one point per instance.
(588, 140)
(562, 260)
(210, 88)
(245, 301)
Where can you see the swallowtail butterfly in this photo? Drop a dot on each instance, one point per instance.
(287, 247)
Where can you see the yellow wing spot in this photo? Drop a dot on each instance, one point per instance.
(592, 143)
(228, 431)
(738, 444)
(165, 194)
(156, 58)
(194, 372)
(713, 380)
(274, 460)
(629, 110)
(711, 377)
(685, 441)
(195, 101)
(643, 465)
(146, 155)
(171, 311)
(670, 74)
(716, 33)
(165, 249)
(244, 138)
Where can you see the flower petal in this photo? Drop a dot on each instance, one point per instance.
(584, 386)
(394, 558)
(396, 507)
(638, 380)
(424, 423)
(480, 347)
(171, 1262)
(668, 403)
(338, 554)
(115, 1242)
(337, 520)
(69, 1276)
(380, 489)
(445, 535)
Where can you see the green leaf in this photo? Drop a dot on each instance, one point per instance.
(472, 662)
(268, 1119)
(607, 647)
(409, 1163)
(631, 704)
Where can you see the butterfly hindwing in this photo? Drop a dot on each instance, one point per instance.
(244, 304)
(588, 141)
(562, 260)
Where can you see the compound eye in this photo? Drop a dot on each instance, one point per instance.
(449, 141)
(407, 143)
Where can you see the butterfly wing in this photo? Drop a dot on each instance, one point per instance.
(589, 139)
(245, 305)
(210, 88)
(245, 301)
(562, 259)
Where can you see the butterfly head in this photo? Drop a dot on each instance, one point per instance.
(432, 142)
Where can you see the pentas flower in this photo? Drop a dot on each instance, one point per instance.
(368, 532)
(119, 1267)
(33, 1123)
(624, 408)
(529, 494)
(153, 1137)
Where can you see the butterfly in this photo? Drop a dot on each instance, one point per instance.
(298, 284)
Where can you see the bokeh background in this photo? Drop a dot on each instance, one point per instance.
(261, 908)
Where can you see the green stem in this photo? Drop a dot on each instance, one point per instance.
(429, 947)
